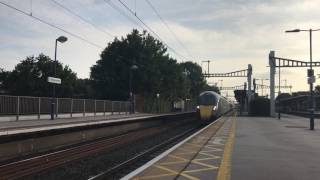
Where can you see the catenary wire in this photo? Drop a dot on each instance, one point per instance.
(51, 25)
(82, 18)
(151, 30)
(168, 27)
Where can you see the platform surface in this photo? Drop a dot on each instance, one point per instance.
(25, 126)
(272, 149)
(199, 157)
(244, 148)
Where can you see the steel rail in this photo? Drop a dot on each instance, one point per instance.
(140, 156)
(145, 153)
(40, 163)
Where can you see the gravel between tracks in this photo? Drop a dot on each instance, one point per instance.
(90, 166)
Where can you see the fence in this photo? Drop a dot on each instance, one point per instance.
(159, 105)
(297, 104)
(25, 105)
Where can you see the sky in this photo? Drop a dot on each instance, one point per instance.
(230, 33)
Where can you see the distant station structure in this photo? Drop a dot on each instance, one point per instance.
(240, 87)
(277, 62)
(247, 73)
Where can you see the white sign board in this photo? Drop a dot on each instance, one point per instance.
(54, 80)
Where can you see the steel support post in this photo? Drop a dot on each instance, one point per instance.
(249, 93)
(311, 77)
(39, 107)
(272, 65)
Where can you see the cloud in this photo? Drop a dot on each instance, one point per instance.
(231, 33)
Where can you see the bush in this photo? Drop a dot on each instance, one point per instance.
(260, 106)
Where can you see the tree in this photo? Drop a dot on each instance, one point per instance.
(211, 88)
(3, 81)
(29, 78)
(156, 73)
(197, 82)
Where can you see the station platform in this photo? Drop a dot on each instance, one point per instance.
(25, 126)
(27, 138)
(243, 148)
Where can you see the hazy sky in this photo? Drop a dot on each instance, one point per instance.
(231, 33)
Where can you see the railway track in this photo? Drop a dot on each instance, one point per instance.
(30, 166)
(123, 165)
(112, 172)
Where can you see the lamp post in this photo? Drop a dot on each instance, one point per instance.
(60, 39)
(311, 78)
(158, 99)
(132, 68)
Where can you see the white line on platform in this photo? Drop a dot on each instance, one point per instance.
(154, 160)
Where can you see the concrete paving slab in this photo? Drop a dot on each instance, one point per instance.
(272, 149)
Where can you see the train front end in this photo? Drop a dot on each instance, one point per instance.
(207, 105)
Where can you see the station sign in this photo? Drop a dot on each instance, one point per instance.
(54, 80)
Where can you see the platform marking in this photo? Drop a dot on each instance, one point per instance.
(191, 148)
(156, 176)
(225, 167)
(176, 173)
(204, 151)
(181, 160)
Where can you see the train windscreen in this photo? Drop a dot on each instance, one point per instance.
(207, 99)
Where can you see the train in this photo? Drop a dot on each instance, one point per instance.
(212, 105)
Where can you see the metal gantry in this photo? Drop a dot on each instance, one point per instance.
(260, 86)
(240, 73)
(240, 87)
(284, 62)
(278, 62)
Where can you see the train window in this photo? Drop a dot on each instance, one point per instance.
(207, 99)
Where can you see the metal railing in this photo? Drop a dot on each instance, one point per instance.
(26, 105)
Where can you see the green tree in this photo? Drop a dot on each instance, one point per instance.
(211, 88)
(3, 80)
(156, 73)
(30, 78)
(197, 83)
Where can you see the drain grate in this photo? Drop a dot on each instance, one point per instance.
(296, 127)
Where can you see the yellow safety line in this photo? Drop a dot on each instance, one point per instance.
(225, 167)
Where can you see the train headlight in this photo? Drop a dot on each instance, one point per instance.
(214, 108)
